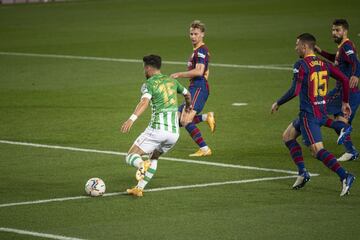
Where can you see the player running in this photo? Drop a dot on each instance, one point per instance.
(310, 82)
(198, 72)
(348, 63)
(163, 131)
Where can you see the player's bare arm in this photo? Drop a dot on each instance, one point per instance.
(197, 71)
(140, 108)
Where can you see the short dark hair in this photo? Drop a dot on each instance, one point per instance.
(341, 22)
(153, 61)
(308, 38)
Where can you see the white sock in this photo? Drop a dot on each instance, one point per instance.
(204, 117)
(134, 160)
(205, 148)
(148, 175)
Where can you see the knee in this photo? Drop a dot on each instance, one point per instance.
(314, 149)
(285, 137)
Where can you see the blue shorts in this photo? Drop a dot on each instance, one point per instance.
(334, 103)
(198, 99)
(310, 128)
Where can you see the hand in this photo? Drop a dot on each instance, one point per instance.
(354, 81)
(317, 49)
(274, 107)
(175, 75)
(346, 109)
(126, 126)
(189, 108)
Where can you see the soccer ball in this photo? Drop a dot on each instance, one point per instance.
(95, 187)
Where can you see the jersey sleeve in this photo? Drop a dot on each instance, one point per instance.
(352, 59)
(146, 91)
(338, 75)
(180, 88)
(328, 56)
(295, 88)
(202, 55)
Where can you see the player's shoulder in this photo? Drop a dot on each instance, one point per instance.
(348, 47)
(298, 64)
(203, 49)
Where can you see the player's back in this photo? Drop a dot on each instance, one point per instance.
(164, 90)
(314, 75)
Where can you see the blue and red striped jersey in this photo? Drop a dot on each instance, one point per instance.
(200, 55)
(310, 82)
(346, 60)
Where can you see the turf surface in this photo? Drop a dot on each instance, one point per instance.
(82, 103)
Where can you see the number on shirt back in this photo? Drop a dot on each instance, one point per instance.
(320, 83)
(168, 92)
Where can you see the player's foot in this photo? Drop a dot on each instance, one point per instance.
(301, 180)
(349, 156)
(343, 134)
(347, 182)
(135, 191)
(201, 153)
(211, 121)
(140, 173)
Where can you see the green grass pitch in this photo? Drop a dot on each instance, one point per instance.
(74, 102)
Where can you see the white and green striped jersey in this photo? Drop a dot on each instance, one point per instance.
(162, 91)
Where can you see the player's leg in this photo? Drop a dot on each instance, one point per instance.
(133, 157)
(198, 103)
(341, 125)
(140, 147)
(310, 130)
(163, 141)
(144, 144)
(209, 118)
(289, 138)
(351, 153)
(151, 170)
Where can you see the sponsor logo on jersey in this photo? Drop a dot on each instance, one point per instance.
(349, 52)
(319, 102)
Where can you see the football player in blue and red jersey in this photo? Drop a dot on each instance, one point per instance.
(310, 82)
(198, 72)
(348, 63)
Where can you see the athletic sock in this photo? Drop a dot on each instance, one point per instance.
(296, 154)
(195, 134)
(134, 160)
(200, 118)
(329, 160)
(148, 175)
(349, 146)
(337, 126)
